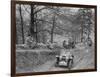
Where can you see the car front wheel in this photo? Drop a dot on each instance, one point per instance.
(70, 63)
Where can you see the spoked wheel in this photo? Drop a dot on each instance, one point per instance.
(57, 61)
(70, 64)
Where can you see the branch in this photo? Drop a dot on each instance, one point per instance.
(44, 30)
(26, 9)
(61, 28)
(34, 8)
(39, 10)
(43, 20)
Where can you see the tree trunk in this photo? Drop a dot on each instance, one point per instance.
(32, 22)
(82, 28)
(22, 24)
(52, 29)
(36, 30)
(33, 27)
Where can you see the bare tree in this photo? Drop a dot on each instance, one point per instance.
(22, 24)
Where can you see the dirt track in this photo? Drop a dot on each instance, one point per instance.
(83, 58)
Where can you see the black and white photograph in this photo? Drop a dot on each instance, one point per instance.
(54, 38)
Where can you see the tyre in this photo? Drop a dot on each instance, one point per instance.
(57, 61)
(70, 63)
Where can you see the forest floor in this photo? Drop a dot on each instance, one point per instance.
(83, 59)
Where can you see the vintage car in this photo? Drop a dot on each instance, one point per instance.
(65, 59)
